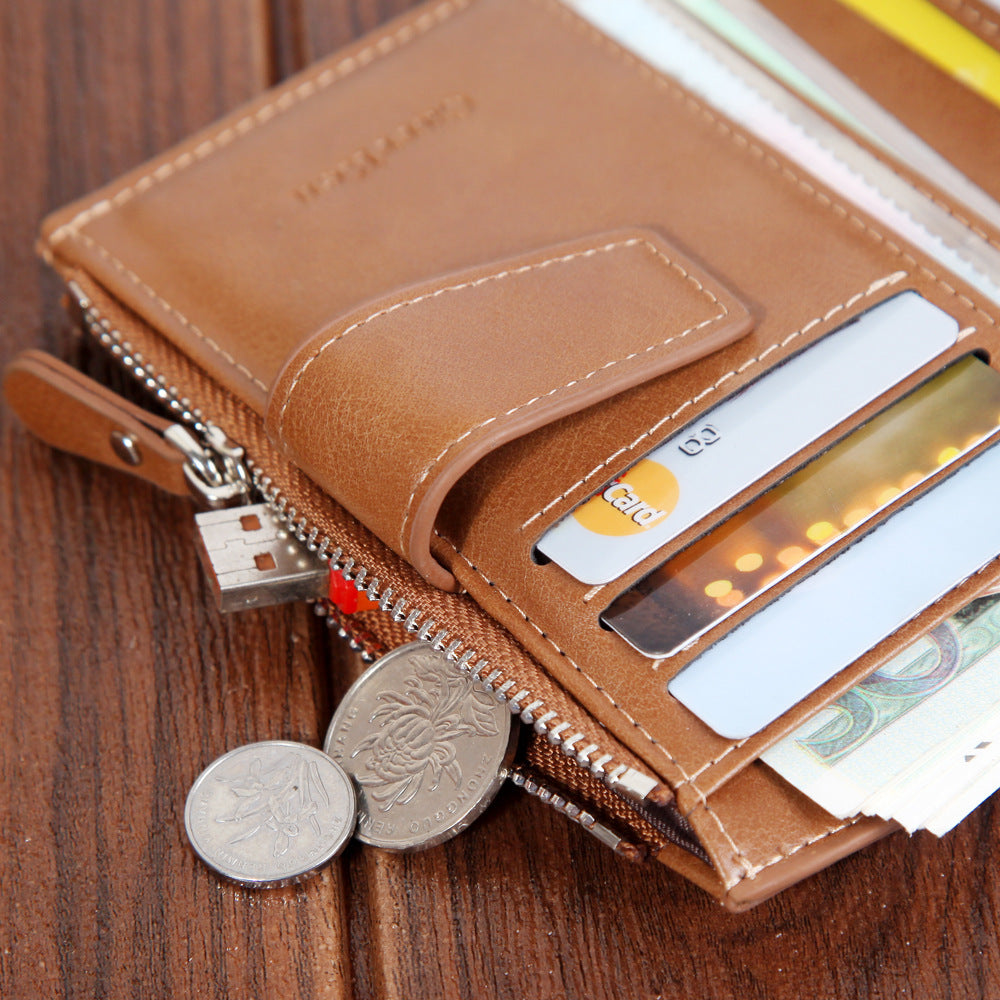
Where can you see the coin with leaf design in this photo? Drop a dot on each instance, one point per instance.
(426, 745)
(269, 814)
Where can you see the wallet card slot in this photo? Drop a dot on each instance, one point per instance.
(610, 440)
(623, 308)
(732, 760)
(519, 594)
(744, 436)
(823, 502)
(969, 345)
(935, 105)
(847, 605)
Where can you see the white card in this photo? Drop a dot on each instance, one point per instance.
(824, 623)
(742, 438)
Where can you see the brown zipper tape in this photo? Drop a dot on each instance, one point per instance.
(457, 614)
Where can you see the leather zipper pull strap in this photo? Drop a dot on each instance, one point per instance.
(73, 413)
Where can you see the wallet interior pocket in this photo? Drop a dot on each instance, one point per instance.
(252, 245)
(948, 115)
(557, 618)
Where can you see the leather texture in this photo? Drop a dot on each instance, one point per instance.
(496, 352)
(73, 413)
(957, 122)
(303, 253)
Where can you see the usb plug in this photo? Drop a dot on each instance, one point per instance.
(252, 560)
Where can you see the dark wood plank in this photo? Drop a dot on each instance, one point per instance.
(321, 28)
(119, 682)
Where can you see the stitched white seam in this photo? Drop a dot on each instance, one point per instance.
(497, 276)
(738, 854)
(736, 746)
(723, 312)
(151, 293)
(754, 870)
(751, 870)
(740, 139)
(597, 687)
(441, 14)
(944, 206)
(307, 88)
(770, 161)
(874, 287)
(716, 760)
(975, 17)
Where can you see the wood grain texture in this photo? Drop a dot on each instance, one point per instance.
(119, 682)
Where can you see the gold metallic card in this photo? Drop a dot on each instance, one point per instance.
(805, 514)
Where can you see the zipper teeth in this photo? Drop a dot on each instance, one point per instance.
(677, 830)
(322, 610)
(531, 711)
(155, 384)
(605, 834)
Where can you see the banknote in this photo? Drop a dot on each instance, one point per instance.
(958, 765)
(960, 805)
(917, 741)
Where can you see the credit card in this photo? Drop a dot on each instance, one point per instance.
(742, 438)
(804, 515)
(824, 623)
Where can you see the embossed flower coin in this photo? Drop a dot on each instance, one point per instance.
(427, 747)
(267, 814)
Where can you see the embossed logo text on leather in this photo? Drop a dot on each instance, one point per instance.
(362, 161)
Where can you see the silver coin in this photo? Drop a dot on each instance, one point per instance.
(268, 814)
(427, 746)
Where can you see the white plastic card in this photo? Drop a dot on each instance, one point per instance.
(745, 436)
(823, 624)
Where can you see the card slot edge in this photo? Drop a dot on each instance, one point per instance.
(981, 583)
(790, 467)
(917, 626)
(628, 580)
(664, 428)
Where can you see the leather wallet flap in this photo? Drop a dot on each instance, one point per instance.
(469, 361)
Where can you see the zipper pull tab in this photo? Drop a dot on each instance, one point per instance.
(73, 413)
(213, 467)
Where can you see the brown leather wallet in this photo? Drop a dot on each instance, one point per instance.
(445, 285)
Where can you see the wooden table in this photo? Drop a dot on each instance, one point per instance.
(119, 681)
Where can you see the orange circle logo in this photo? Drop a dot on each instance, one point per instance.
(634, 502)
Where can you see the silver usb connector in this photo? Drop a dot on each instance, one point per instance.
(252, 560)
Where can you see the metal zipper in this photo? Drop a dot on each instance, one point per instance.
(230, 462)
(523, 780)
(214, 467)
